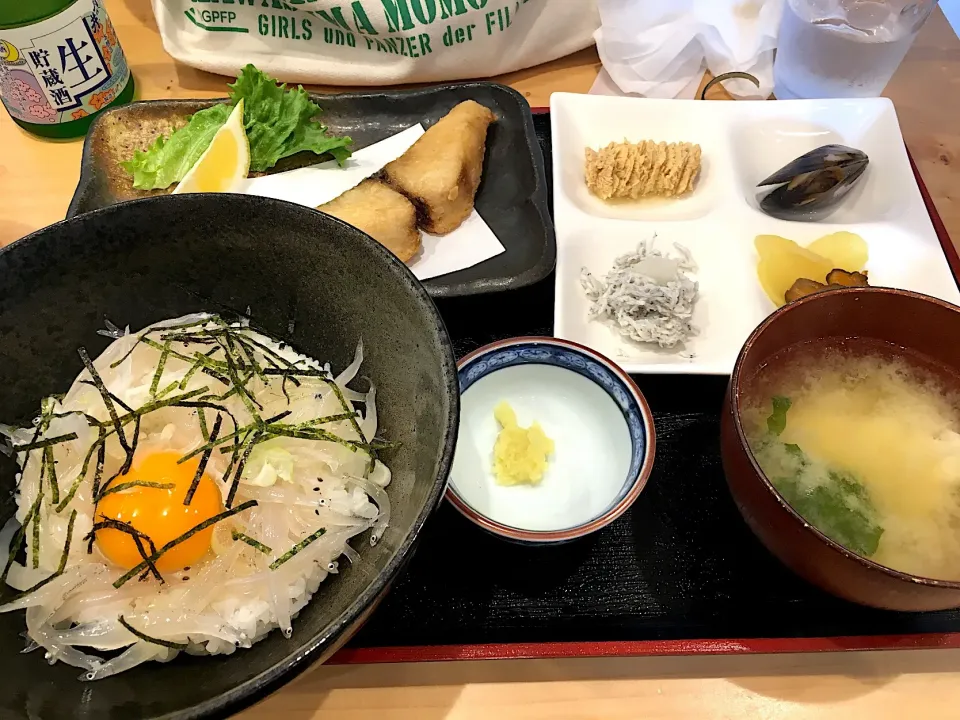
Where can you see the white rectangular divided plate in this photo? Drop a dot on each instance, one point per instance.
(743, 142)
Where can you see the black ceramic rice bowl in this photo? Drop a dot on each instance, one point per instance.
(302, 277)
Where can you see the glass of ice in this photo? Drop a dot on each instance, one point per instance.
(844, 48)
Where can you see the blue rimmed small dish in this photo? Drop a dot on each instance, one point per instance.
(600, 423)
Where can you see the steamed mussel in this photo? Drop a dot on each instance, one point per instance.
(813, 183)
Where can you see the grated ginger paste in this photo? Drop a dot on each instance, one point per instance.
(519, 454)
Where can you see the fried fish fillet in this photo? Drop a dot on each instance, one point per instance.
(440, 173)
(644, 169)
(382, 213)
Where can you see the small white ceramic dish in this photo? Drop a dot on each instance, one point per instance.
(599, 421)
(742, 142)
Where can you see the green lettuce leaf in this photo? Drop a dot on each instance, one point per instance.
(278, 122)
(169, 159)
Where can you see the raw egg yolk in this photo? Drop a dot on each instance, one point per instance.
(159, 513)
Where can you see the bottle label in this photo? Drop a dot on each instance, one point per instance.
(63, 68)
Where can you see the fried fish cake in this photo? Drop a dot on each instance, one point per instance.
(440, 173)
(382, 213)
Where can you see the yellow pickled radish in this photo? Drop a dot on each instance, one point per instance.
(846, 250)
(778, 273)
(782, 262)
(775, 245)
(769, 281)
(225, 164)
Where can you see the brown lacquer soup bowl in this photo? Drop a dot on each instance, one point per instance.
(906, 320)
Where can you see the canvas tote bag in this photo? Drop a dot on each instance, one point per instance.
(374, 42)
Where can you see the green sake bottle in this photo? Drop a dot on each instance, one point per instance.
(60, 65)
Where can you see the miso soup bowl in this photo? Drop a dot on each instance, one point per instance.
(909, 320)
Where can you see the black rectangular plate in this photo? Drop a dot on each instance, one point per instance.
(679, 566)
(512, 197)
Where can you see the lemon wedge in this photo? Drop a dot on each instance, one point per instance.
(225, 164)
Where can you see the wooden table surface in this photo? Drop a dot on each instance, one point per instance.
(37, 179)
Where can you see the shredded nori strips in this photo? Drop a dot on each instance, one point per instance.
(136, 483)
(248, 399)
(35, 546)
(98, 471)
(127, 463)
(186, 536)
(83, 471)
(157, 404)
(47, 442)
(19, 536)
(147, 638)
(51, 472)
(197, 365)
(233, 359)
(63, 562)
(297, 548)
(137, 537)
(105, 394)
(256, 544)
(205, 458)
(158, 373)
(202, 418)
(234, 486)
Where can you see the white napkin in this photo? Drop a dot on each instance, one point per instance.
(318, 184)
(660, 48)
(470, 244)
